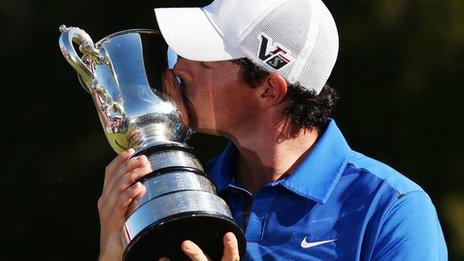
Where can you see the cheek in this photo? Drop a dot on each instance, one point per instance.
(232, 102)
(201, 100)
(218, 98)
(195, 91)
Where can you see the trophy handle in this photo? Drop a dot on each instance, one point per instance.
(80, 37)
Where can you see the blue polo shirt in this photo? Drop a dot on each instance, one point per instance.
(338, 204)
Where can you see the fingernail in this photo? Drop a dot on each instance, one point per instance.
(187, 245)
(130, 151)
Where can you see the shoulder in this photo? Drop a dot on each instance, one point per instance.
(378, 172)
(373, 182)
(401, 212)
(388, 192)
(381, 187)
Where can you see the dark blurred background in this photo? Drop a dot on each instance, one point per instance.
(399, 74)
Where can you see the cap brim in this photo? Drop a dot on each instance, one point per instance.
(189, 32)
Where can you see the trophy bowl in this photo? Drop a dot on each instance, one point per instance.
(140, 105)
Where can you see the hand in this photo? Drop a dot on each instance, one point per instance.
(196, 254)
(120, 189)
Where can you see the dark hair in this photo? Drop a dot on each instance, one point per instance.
(306, 110)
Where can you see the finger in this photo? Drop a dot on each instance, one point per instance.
(115, 163)
(128, 166)
(126, 180)
(193, 251)
(123, 183)
(230, 247)
(164, 259)
(120, 205)
(135, 201)
(110, 175)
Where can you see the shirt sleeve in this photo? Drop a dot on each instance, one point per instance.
(411, 231)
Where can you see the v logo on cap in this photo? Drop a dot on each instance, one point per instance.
(277, 57)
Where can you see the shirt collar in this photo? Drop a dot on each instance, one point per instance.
(222, 167)
(315, 178)
(319, 173)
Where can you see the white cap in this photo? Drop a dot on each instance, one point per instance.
(297, 38)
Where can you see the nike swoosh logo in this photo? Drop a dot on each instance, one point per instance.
(306, 244)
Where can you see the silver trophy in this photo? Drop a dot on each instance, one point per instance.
(140, 105)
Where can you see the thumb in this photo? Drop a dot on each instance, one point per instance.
(231, 252)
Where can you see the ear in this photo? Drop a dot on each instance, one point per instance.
(273, 90)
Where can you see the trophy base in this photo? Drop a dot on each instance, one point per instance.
(164, 238)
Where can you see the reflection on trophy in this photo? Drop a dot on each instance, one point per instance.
(139, 103)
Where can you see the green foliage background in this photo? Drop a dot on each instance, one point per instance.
(399, 74)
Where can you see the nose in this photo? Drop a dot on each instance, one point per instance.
(179, 67)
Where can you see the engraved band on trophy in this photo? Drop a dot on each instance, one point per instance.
(140, 106)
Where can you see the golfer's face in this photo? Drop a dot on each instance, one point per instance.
(215, 95)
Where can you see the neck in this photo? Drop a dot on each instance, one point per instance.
(268, 155)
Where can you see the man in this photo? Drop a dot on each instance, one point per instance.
(254, 71)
